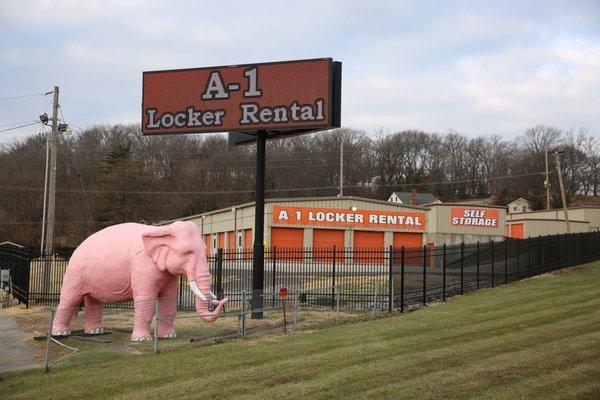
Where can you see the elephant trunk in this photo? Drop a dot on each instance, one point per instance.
(204, 296)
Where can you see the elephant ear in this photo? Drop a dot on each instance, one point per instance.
(157, 243)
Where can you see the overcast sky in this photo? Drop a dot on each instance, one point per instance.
(477, 67)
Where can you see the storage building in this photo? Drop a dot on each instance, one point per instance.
(351, 222)
(552, 222)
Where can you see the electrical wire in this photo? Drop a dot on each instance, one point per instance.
(87, 203)
(24, 96)
(20, 126)
(17, 123)
(156, 192)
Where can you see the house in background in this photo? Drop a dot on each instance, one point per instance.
(413, 198)
(520, 205)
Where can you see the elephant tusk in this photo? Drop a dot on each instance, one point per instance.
(196, 291)
(212, 296)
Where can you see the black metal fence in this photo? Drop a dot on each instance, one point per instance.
(393, 278)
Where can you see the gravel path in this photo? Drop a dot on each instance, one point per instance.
(15, 354)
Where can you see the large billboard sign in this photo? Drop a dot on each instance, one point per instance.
(279, 97)
(312, 216)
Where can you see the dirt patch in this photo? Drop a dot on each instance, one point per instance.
(567, 271)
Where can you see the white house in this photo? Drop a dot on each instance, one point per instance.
(520, 205)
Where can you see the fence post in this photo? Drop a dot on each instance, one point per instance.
(180, 294)
(156, 319)
(402, 280)
(583, 245)
(391, 281)
(274, 263)
(375, 300)
(518, 259)
(589, 247)
(333, 278)
(444, 272)
(296, 310)
(48, 338)
(492, 259)
(424, 274)
(462, 267)
(529, 257)
(337, 305)
(243, 319)
(539, 263)
(505, 261)
(220, 273)
(477, 277)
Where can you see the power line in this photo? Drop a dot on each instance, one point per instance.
(149, 192)
(24, 96)
(20, 126)
(16, 123)
(87, 203)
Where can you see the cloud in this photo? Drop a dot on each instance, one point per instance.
(473, 67)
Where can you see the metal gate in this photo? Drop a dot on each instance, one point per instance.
(16, 259)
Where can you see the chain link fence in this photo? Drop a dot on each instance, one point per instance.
(147, 327)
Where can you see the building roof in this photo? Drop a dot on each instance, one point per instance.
(560, 209)
(464, 205)
(520, 198)
(422, 198)
(510, 221)
(486, 201)
(251, 204)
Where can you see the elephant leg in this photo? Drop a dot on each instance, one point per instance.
(67, 308)
(143, 311)
(167, 307)
(93, 316)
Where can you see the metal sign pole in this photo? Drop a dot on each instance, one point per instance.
(258, 259)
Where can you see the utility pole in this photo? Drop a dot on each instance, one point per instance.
(53, 145)
(43, 241)
(562, 190)
(52, 176)
(341, 169)
(547, 181)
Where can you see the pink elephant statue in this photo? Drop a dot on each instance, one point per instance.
(139, 262)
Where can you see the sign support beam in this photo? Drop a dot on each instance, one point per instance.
(258, 256)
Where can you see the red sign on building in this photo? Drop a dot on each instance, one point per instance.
(478, 217)
(312, 216)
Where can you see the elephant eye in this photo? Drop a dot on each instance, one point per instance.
(188, 254)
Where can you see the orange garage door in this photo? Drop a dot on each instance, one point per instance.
(231, 240)
(517, 231)
(368, 246)
(323, 242)
(288, 242)
(287, 237)
(248, 244)
(207, 243)
(408, 240)
(413, 243)
(221, 240)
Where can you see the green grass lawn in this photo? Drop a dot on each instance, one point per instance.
(538, 338)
